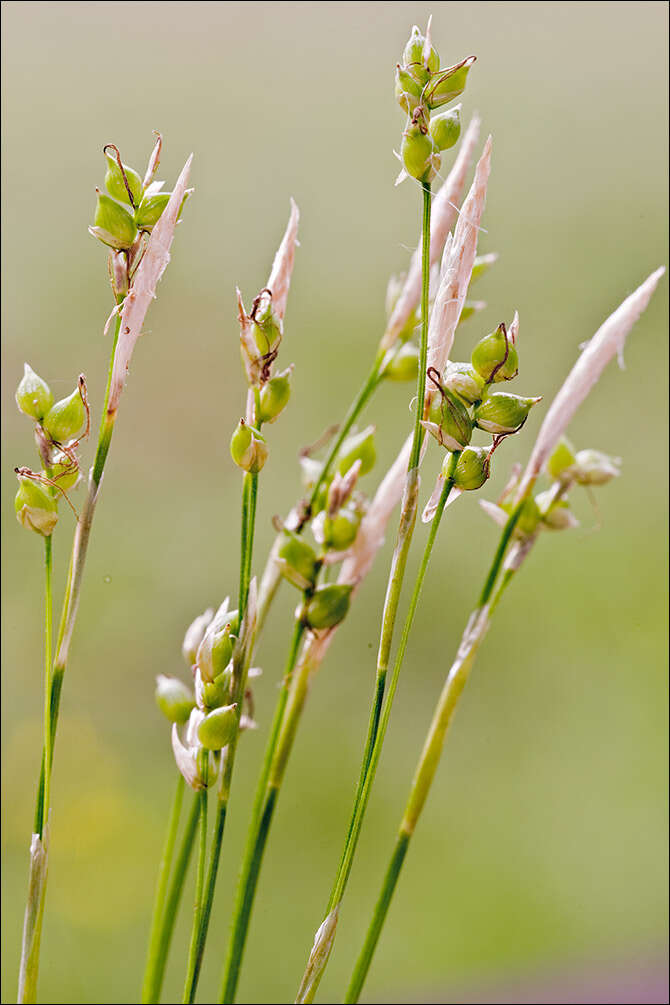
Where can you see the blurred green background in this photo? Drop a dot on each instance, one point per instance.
(542, 848)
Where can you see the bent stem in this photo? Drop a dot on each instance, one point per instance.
(473, 636)
(32, 929)
(280, 740)
(320, 954)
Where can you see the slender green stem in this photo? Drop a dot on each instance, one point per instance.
(39, 863)
(355, 409)
(276, 752)
(429, 760)
(161, 888)
(190, 984)
(153, 982)
(319, 957)
(48, 593)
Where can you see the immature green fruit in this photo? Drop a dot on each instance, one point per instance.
(248, 448)
(596, 468)
(297, 560)
(267, 327)
(529, 518)
(113, 225)
(414, 60)
(328, 605)
(36, 509)
(472, 468)
(174, 699)
(275, 396)
(463, 379)
(450, 416)
(446, 128)
(64, 471)
(66, 418)
(33, 395)
(358, 447)
(420, 156)
(562, 461)
(217, 692)
(218, 727)
(149, 211)
(339, 531)
(115, 185)
(495, 358)
(448, 84)
(407, 90)
(501, 412)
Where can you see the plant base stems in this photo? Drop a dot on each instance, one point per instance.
(161, 888)
(190, 983)
(267, 790)
(153, 981)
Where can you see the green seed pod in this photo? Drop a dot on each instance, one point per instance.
(149, 211)
(64, 471)
(446, 128)
(448, 84)
(420, 156)
(297, 560)
(113, 225)
(217, 692)
(494, 356)
(66, 418)
(267, 326)
(33, 395)
(174, 699)
(115, 185)
(339, 531)
(404, 364)
(562, 461)
(275, 396)
(407, 90)
(218, 727)
(463, 379)
(358, 447)
(36, 509)
(502, 412)
(248, 448)
(450, 415)
(595, 468)
(413, 57)
(328, 605)
(472, 468)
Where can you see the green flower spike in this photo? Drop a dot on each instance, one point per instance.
(501, 412)
(248, 448)
(328, 605)
(66, 418)
(36, 509)
(174, 699)
(33, 395)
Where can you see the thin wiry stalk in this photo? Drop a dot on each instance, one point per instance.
(189, 984)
